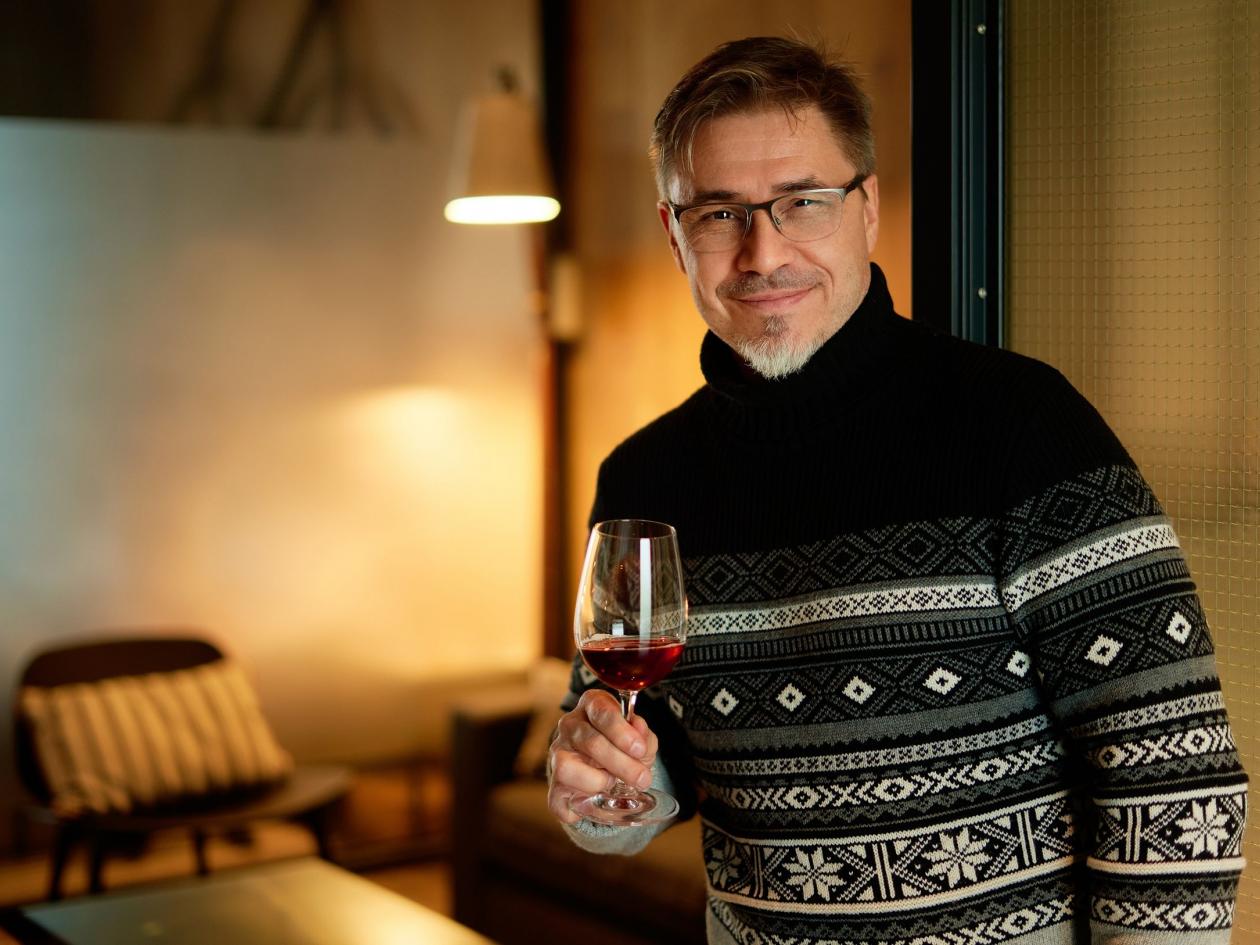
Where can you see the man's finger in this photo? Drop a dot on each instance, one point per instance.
(601, 753)
(649, 739)
(604, 714)
(558, 803)
(572, 772)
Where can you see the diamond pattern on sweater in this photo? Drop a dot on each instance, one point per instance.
(790, 697)
(1104, 651)
(891, 553)
(859, 690)
(676, 707)
(1090, 501)
(724, 702)
(1139, 643)
(1179, 628)
(841, 687)
(942, 681)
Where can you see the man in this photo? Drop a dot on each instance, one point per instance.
(946, 679)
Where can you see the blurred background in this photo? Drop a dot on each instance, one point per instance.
(252, 381)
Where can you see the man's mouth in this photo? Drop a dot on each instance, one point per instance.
(775, 300)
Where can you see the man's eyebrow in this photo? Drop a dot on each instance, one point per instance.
(805, 183)
(714, 196)
(730, 196)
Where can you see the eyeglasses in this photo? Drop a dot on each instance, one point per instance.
(800, 216)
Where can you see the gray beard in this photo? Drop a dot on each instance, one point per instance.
(772, 358)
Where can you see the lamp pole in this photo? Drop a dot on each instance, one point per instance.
(557, 636)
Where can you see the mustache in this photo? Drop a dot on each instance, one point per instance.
(755, 283)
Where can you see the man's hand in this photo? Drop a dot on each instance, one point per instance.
(592, 747)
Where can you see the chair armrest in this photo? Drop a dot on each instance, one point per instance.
(486, 731)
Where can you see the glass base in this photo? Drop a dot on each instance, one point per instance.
(641, 807)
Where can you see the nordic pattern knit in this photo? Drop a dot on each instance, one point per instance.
(947, 681)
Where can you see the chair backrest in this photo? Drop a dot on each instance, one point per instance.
(93, 661)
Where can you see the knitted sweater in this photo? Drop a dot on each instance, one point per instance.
(946, 679)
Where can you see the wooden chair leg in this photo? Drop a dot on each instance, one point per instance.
(63, 843)
(199, 850)
(98, 842)
(21, 833)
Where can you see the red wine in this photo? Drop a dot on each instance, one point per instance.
(628, 663)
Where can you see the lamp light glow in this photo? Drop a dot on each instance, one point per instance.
(506, 208)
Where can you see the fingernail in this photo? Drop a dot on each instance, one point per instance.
(644, 780)
(637, 749)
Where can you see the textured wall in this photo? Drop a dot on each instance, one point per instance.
(1134, 196)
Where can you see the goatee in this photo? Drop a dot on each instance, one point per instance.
(772, 355)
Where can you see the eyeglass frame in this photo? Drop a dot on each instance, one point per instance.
(751, 208)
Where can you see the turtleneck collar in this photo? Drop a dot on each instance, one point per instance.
(839, 371)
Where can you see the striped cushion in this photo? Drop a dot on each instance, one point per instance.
(142, 741)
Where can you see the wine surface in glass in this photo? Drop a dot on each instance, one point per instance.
(629, 663)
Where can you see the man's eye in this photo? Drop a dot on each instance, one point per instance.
(718, 215)
(805, 203)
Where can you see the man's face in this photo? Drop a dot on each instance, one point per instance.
(775, 301)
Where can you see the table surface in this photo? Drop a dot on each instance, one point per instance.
(291, 902)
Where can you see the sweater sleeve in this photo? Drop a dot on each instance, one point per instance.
(1102, 600)
(626, 841)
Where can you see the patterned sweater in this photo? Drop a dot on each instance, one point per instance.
(947, 679)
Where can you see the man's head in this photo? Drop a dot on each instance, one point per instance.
(757, 120)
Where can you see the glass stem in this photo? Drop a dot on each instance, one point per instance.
(627, 703)
(620, 788)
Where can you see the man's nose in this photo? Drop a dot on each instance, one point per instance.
(764, 248)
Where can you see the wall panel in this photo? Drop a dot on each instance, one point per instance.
(1134, 267)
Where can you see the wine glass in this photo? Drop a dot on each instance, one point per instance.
(630, 623)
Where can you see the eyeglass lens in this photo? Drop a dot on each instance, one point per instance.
(799, 217)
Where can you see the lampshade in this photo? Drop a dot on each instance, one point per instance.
(500, 172)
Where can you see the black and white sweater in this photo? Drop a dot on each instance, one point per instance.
(947, 681)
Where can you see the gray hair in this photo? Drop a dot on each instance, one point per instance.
(753, 74)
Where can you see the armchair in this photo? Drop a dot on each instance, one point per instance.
(307, 794)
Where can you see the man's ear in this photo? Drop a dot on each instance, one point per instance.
(667, 219)
(870, 212)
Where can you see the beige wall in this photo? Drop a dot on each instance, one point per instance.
(640, 352)
(255, 383)
(258, 384)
